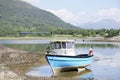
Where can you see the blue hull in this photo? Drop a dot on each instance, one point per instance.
(68, 62)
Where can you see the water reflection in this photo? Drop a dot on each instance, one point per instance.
(42, 71)
(41, 45)
(24, 41)
(45, 71)
(85, 74)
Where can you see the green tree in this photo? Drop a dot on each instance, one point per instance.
(113, 32)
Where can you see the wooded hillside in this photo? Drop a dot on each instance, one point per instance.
(18, 16)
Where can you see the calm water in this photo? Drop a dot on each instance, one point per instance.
(106, 65)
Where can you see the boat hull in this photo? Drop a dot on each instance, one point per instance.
(60, 63)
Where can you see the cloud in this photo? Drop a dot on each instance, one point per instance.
(113, 13)
(62, 13)
(109, 12)
(67, 16)
(85, 17)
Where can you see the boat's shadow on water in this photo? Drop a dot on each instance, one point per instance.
(85, 74)
(45, 71)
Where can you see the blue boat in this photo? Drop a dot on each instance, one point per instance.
(62, 57)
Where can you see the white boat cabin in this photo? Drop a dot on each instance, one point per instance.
(63, 47)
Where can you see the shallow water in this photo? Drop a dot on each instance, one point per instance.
(23, 41)
(106, 68)
(106, 65)
(45, 71)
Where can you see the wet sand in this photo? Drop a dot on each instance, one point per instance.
(14, 64)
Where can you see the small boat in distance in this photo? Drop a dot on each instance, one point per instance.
(62, 57)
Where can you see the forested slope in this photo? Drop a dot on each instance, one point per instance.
(18, 16)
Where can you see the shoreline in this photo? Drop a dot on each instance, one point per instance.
(75, 38)
(14, 64)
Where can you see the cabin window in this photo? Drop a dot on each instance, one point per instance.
(63, 45)
(70, 45)
(56, 45)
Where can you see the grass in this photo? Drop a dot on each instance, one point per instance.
(44, 37)
(25, 38)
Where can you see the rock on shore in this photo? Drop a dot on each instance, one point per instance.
(13, 57)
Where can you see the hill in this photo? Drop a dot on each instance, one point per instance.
(19, 16)
(105, 23)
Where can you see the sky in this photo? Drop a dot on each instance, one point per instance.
(79, 12)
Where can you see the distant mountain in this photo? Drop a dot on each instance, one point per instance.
(105, 23)
(17, 13)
